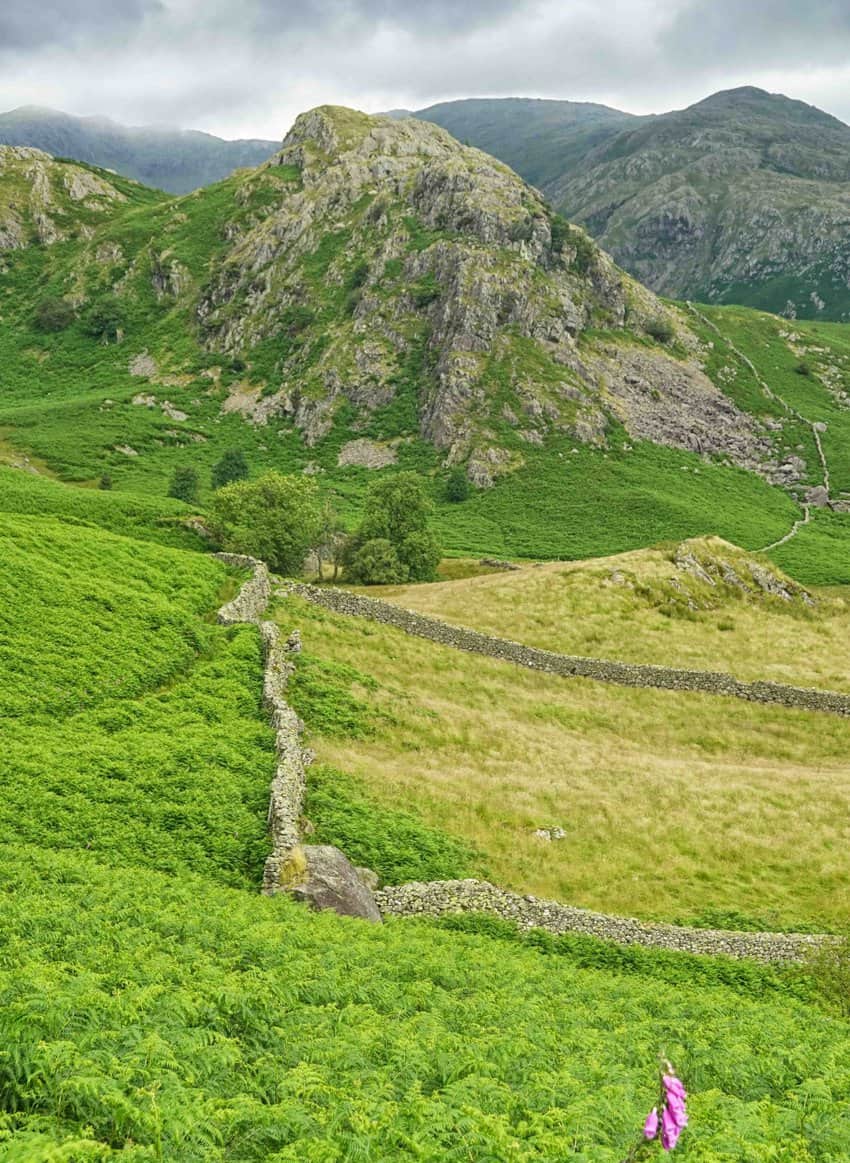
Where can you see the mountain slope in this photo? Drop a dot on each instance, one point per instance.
(43, 201)
(541, 140)
(376, 295)
(168, 159)
(742, 197)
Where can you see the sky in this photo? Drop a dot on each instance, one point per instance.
(246, 68)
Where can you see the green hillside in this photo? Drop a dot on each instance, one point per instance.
(155, 1007)
(321, 324)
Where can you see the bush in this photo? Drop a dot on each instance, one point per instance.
(276, 517)
(420, 553)
(105, 320)
(105, 481)
(659, 329)
(54, 315)
(803, 368)
(232, 467)
(457, 486)
(376, 563)
(184, 484)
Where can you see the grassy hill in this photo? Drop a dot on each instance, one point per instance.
(155, 1007)
(751, 796)
(178, 161)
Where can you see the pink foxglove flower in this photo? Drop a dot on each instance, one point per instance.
(650, 1127)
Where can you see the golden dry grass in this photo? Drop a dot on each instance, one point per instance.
(575, 608)
(672, 804)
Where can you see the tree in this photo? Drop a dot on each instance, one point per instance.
(332, 539)
(275, 517)
(53, 315)
(457, 486)
(397, 509)
(376, 563)
(184, 484)
(105, 481)
(232, 467)
(105, 319)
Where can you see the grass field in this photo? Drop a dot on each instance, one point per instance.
(645, 615)
(675, 807)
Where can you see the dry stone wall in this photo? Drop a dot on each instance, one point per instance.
(603, 670)
(250, 603)
(447, 897)
(291, 759)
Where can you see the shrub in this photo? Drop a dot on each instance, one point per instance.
(276, 517)
(457, 486)
(659, 329)
(376, 563)
(803, 368)
(54, 314)
(105, 319)
(232, 467)
(184, 484)
(105, 481)
(420, 553)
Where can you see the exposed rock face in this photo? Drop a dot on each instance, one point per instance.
(44, 201)
(330, 881)
(397, 253)
(366, 454)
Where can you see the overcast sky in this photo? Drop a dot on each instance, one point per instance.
(247, 67)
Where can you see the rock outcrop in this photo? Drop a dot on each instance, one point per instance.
(397, 260)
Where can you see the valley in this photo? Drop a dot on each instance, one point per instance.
(648, 481)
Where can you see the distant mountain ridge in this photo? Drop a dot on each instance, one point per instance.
(743, 197)
(174, 160)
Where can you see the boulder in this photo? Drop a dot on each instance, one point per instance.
(330, 881)
(818, 497)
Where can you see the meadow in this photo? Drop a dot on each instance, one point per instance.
(639, 607)
(674, 806)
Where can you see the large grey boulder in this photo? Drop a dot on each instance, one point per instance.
(330, 881)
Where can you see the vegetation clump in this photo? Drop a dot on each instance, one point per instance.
(276, 517)
(232, 467)
(184, 484)
(394, 542)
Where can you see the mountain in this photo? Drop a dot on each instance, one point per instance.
(541, 140)
(742, 197)
(168, 159)
(378, 294)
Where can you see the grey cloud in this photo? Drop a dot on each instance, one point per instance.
(25, 27)
(761, 33)
(446, 17)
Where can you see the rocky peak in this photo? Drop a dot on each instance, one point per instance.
(397, 260)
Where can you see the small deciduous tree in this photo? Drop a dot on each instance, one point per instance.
(396, 513)
(275, 517)
(232, 467)
(184, 484)
(105, 481)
